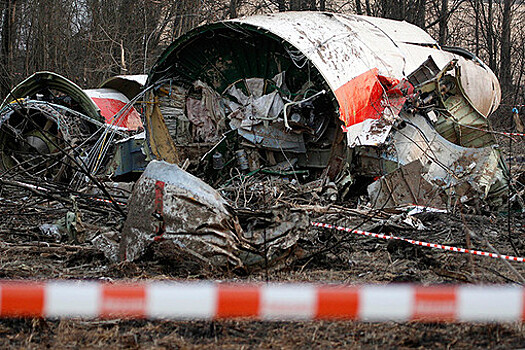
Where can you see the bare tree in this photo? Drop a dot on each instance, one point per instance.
(443, 22)
(7, 41)
(90, 40)
(302, 5)
(505, 49)
(233, 8)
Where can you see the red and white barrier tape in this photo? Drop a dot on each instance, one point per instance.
(107, 201)
(420, 243)
(513, 134)
(206, 301)
(492, 131)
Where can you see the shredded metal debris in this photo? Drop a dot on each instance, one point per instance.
(246, 123)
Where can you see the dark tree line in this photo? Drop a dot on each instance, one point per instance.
(91, 40)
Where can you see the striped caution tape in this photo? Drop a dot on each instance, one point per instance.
(420, 243)
(512, 134)
(492, 131)
(107, 201)
(207, 301)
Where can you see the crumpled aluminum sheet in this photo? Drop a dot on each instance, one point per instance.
(449, 165)
(403, 186)
(371, 132)
(193, 215)
(463, 173)
(205, 114)
(201, 225)
(343, 46)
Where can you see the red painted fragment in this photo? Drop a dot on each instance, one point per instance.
(110, 107)
(159, 209)
(368, 95)
(159, 194)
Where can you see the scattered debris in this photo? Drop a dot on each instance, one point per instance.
(66, 226)
(404, 186)
(53, 130)
(171, 204)
(243, 145)
(107, 245)
(274, 122)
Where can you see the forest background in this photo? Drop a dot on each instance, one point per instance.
(89, 41)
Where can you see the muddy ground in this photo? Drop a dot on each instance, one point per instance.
(25, 253)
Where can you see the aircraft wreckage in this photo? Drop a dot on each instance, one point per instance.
(308, 96)
(50, 127)
(345, 100)
(347, 96)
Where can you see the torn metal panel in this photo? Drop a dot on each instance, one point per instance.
(456, 118)
(130, 158)
(274, 138)
(169, 203)
(463, 121)
(52, 129)
(274, 234)
(161, 145)
(405, 186)
(111, 103)
(40, 139)
(371, 132)
(484, 97)
(424, 73)
(470, 172)
(129, 85)
(172, 103)
(44, 82)
(364, 98)
(54, 88)
(462, 160)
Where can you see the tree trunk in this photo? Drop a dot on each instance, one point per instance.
(476, 29)
(368, 9)
(420, 13)
(295, 5)
(443, 19)
(505, 50)
(358, 8)
(233, 8)
(490, 37)
(7, 44)
(302, 5)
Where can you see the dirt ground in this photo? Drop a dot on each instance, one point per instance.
(332, 257)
